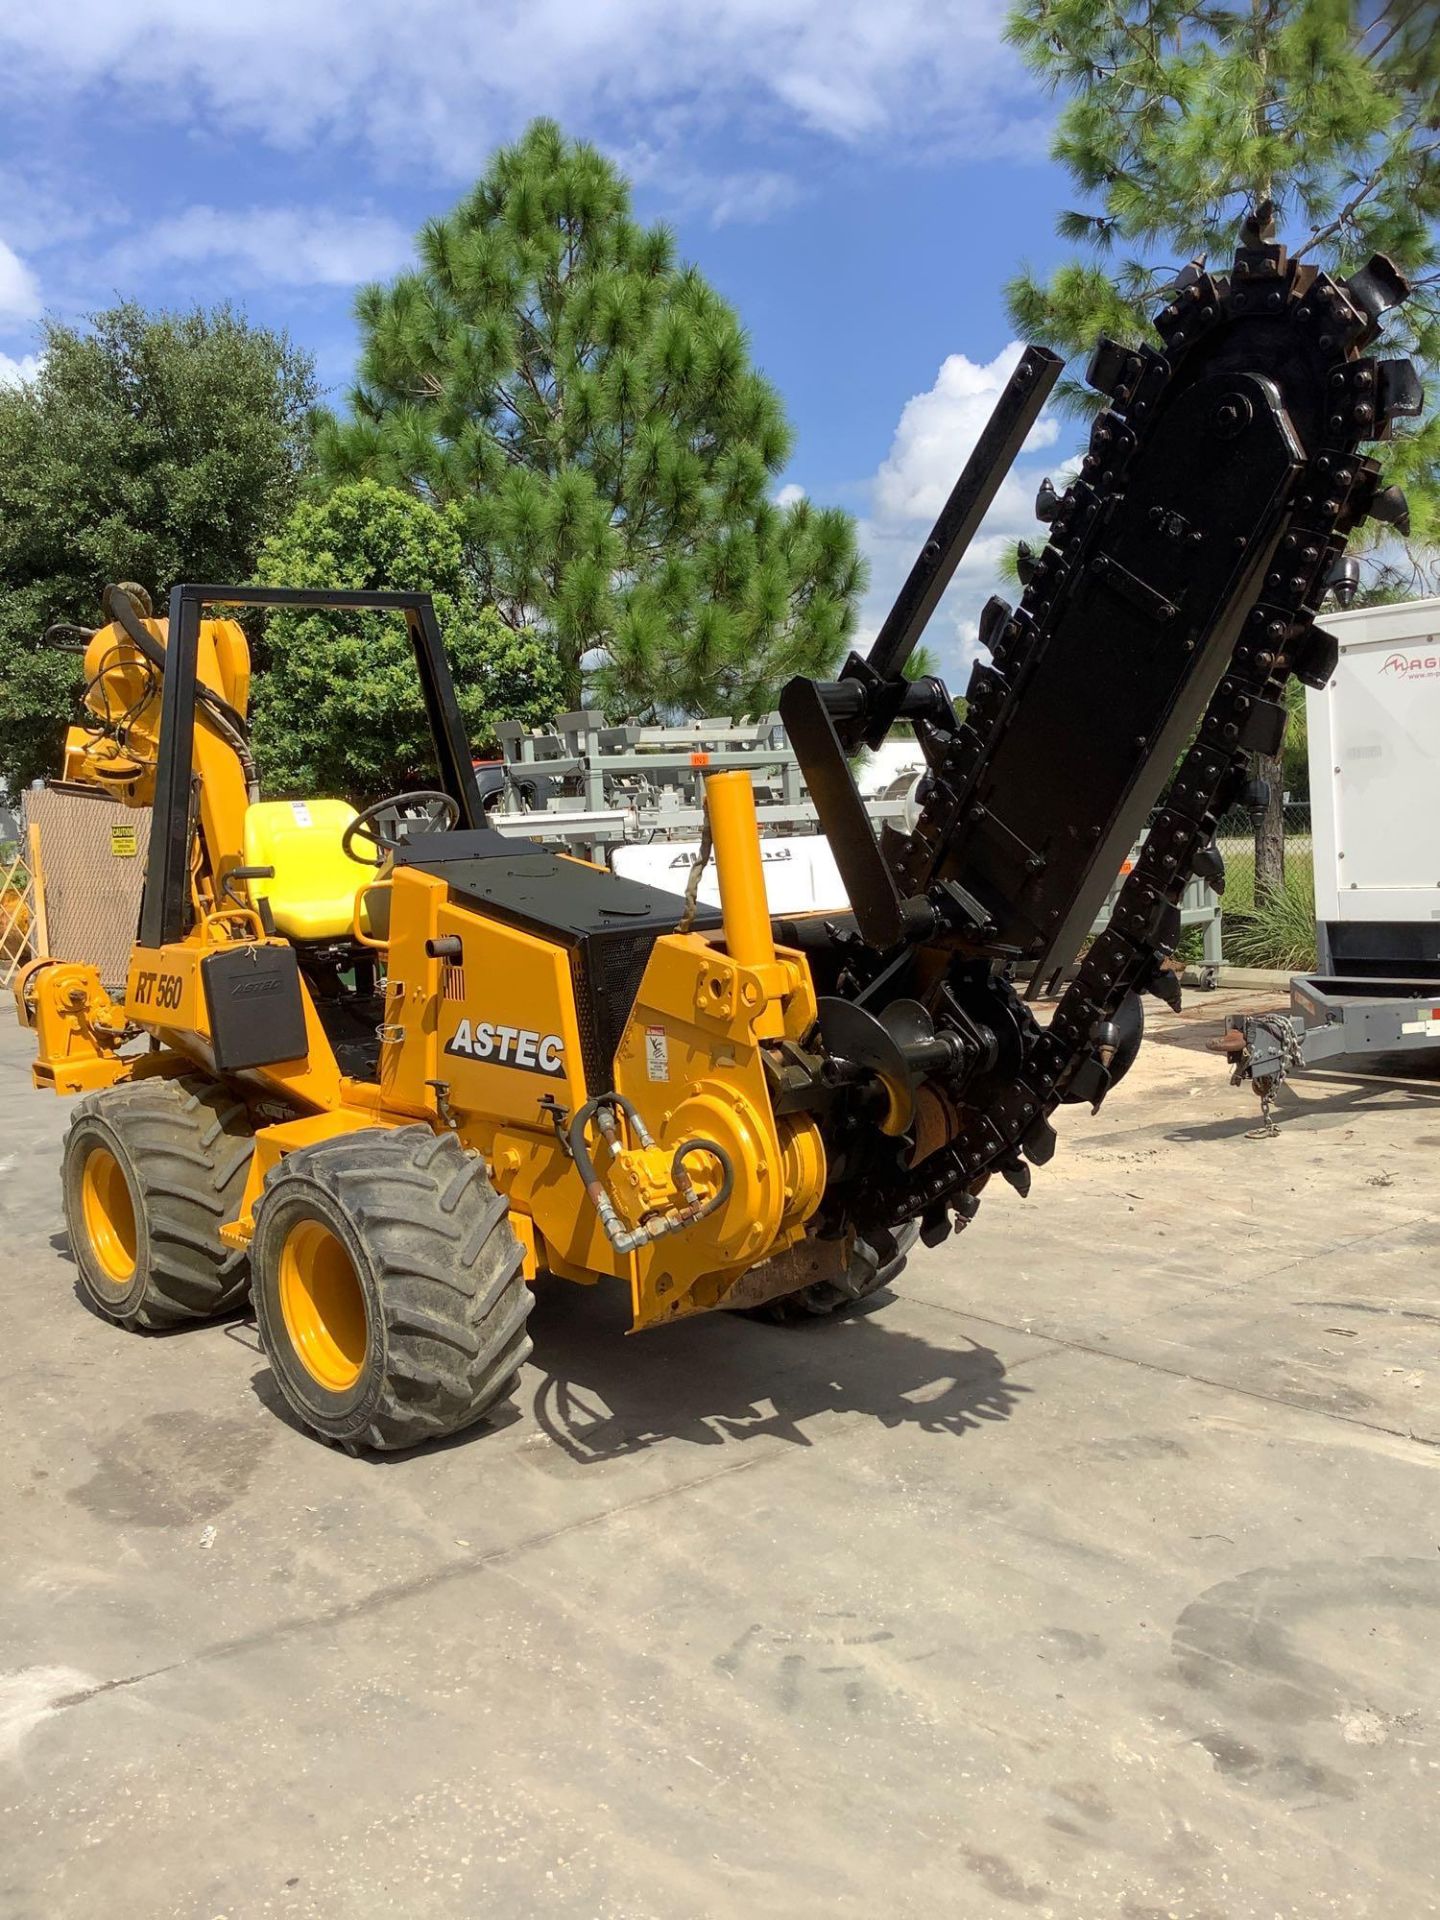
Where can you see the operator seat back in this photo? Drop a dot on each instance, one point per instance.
(312, 895)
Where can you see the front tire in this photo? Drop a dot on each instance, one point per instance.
(388, 1287)
(152, 1170)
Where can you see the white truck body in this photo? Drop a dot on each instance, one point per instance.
(1375, 768)
(800, 871)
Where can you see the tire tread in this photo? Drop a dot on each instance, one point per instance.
(448, 1270)
(189, 1143)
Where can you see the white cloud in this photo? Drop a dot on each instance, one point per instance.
(19, 373)
(934, 436)
(937, 430)
(747, 198)
(291, 246)
(19, 289)
(434, 84)
(790, 495)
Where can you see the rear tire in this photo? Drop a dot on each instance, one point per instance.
(867, 1273)
(388, 1287)
(152, 1170)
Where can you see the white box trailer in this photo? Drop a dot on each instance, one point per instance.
(1374, 747)
(1375, 794)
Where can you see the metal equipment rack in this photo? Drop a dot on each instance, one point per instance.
(592, 786)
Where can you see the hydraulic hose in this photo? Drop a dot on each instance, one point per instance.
(692, 1208)
(692, 884)
(227, 721)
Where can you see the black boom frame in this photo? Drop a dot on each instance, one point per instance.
(164, 910)
(827, 721)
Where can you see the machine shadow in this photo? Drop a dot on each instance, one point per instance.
(721, 1378)
(599, 1394)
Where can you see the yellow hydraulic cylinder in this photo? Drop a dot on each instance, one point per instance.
(749, 939)
(735, 835)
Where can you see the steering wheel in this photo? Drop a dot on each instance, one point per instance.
(434, 813)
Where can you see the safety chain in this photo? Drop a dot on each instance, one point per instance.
(1292, 1055)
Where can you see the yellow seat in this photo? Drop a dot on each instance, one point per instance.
(313, 893)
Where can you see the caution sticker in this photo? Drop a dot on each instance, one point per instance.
(657, 1053)
(301, 811)
(124, 842)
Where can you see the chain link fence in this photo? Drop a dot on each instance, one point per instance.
(1278, 930)
(1276, 933)
(18, 917)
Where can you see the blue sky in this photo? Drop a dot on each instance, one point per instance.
(858, 178)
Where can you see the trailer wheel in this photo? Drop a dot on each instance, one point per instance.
(152, 1169)
(867, 1273)
(388, 1287)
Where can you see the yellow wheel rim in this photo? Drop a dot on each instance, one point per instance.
(323, 1305)
(109, 1211)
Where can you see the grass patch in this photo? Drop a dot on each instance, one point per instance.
(1278, 932)
(1281, 935)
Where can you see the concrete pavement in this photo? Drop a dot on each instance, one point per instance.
(1095, 1573)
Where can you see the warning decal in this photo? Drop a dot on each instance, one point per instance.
(657, 1053)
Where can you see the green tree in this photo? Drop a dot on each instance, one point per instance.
(1181, 117)
(338, 707)
(149, 447)
(589, 405)
(1295, 753)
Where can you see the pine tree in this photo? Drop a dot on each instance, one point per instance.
(1181, 117)
(589, 404)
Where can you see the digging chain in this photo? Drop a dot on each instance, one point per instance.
(1348, 398)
